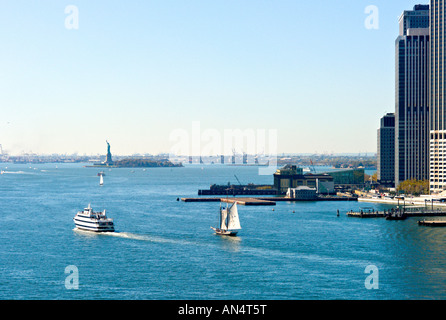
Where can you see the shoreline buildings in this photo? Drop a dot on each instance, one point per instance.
(416, 127)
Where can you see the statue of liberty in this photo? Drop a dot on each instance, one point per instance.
(109, 157)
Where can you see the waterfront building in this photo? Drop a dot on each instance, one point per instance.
(302, 193)
(437, 118)
(386, 151)
(412, 49)
(291, 176)
(348, 178)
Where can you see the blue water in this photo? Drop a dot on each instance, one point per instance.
(165, 249)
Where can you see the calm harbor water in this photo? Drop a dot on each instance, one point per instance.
(165, 249)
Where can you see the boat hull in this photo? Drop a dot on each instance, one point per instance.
(93, 227)
(231, 233)
(396, 217)
(96, 230)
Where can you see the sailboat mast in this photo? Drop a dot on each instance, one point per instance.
(227, 219)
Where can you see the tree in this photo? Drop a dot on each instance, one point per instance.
(414, 187)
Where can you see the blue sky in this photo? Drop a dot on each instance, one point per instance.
(135, 71)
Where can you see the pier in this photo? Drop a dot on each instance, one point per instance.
(264, 201)
(201, 199)
(249, 201)
(238, 190)
(399, 212)
(432, 223)
(242, 201)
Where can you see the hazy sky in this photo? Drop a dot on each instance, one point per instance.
(136, 71)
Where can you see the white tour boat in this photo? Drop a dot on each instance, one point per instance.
(93, 221)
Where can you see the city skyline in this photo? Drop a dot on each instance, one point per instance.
(134, 73)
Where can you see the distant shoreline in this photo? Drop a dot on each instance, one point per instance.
(137, 163)
(112, 166)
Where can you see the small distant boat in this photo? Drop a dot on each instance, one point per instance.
(93, 221)
(229, 221)
(101, 178)
(396, 217)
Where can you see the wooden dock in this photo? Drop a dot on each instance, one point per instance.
(432, 223)
(367, 214)
(201, 199)
(241, 201)
(250, 201)
(408, 212)
(264, 201)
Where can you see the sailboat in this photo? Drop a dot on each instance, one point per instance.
(229, 221)
(101, 178)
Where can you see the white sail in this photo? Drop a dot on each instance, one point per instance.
(101, 180)
(223, 217)
(233, 219)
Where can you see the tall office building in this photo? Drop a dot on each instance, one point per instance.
(437, 93)
(412, 96)
(386, 150)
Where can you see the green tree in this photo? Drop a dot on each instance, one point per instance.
(414, 187)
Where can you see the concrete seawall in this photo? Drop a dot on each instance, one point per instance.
(415, 201)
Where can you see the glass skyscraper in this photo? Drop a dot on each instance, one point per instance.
(386, 151)
(437, 114)
(412, 95)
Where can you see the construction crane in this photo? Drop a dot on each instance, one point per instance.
(312, 166)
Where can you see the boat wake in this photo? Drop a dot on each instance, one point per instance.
(128, 235)
(143, 237)
(16, 172)
(125, 235)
